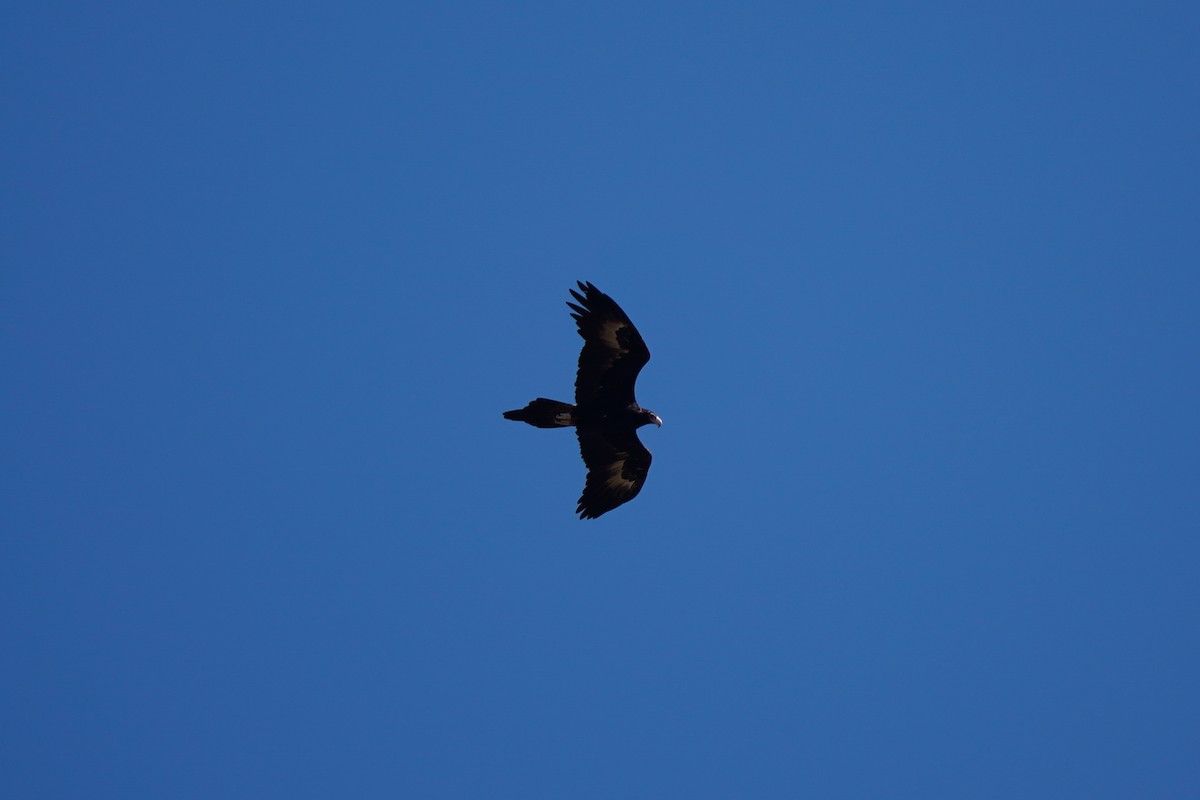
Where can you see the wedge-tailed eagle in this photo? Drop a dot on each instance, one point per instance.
(606, 415)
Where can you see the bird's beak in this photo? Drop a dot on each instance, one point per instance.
(658, 420)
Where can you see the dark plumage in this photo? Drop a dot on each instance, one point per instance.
(606, 415)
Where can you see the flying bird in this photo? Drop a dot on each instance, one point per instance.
(606, 414)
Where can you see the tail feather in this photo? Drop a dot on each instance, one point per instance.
(543, 413)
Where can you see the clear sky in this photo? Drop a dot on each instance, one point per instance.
(921, 282)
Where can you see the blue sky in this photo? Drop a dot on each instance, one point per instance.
(920, 282)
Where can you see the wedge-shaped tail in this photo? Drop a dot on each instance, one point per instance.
(543, 413)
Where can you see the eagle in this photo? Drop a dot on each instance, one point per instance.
(606, 414)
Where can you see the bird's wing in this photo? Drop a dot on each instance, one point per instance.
(617, 467)
(613, 351)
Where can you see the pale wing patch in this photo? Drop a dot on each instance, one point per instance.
(613, 478)
(608, 334)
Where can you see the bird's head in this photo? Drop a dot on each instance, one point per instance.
(649, 417)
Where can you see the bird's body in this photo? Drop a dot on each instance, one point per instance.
(605, 414)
